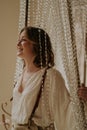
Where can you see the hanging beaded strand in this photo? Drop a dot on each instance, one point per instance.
(19, 61)
(45, 91)
(29, 13)
(46, 56)
(41, 64)
(49, 113)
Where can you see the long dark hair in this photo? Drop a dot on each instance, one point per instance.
(33, 35)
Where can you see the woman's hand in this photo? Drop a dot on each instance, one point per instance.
(82, 92)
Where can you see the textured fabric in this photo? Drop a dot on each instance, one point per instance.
(56, 106)
(32, 126)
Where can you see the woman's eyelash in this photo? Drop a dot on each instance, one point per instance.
(22, 40)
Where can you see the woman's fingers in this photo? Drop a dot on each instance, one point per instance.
(82, 93)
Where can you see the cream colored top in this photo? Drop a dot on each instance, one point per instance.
(54, 105)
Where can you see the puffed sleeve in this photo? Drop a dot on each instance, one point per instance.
(62, 107)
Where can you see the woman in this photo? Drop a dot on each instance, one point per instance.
(53, 109)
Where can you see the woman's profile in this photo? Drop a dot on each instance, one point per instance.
(40, 99)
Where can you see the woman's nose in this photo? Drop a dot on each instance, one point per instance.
(18, 43)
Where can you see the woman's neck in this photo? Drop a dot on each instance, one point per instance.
(29, 66)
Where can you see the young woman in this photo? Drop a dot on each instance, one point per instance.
(40, 98)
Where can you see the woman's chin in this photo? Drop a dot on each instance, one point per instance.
(19, 55)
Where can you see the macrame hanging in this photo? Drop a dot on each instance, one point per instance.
(61, 19)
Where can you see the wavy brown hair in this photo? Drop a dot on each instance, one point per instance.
(33, 35)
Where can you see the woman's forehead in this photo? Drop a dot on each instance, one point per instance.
(23, 34)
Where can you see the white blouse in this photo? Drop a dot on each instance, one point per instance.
(54, 105)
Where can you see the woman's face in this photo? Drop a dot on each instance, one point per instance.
(24, 46)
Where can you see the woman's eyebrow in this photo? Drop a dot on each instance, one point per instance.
(23, 37)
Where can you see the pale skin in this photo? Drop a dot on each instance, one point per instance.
(25, 51)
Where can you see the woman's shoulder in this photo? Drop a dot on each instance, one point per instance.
(53, 71)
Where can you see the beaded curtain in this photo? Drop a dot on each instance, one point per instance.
(66, 23)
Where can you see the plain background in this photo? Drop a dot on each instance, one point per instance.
(9, 20)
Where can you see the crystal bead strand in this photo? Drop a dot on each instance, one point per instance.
(42, 14)
(44, 17)
(38, 23)
(54, 18)
(42, 85)
(38, 14)
(36, 17)
(78, 107)
(43, 98)
(47, 85)
(79, 34)
(19, 62)
(46, 56)
(64, 18)
(61, 47)
(83, 13)
(22, 14)
(67, 38)
(86, 56)
(33, 12)
(85, 32)
(81, 105)
(73, 79)
(41, 63)
(49, 111)
(29, 13)
(86, 39)
(58, 29)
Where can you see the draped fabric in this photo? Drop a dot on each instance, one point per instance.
(49, 111)
(66, 23)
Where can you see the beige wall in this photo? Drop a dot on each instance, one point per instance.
(9, 16)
